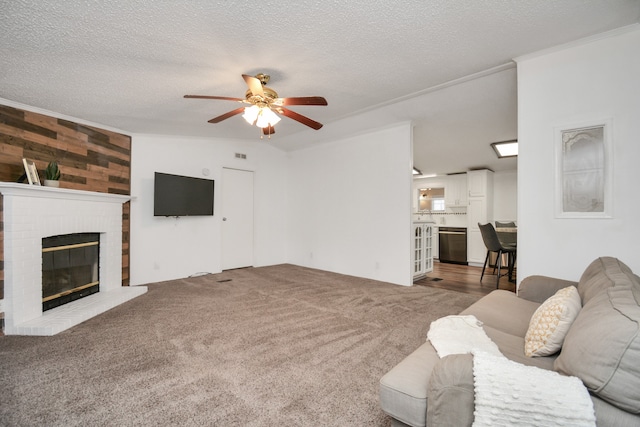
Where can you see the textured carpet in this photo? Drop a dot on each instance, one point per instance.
(278, 345)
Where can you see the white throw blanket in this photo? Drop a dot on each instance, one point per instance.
(508, 393)
(512, 394)
(460, 335)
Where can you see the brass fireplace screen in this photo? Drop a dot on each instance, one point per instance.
(70, 268)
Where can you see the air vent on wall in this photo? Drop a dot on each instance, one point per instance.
(241, 156)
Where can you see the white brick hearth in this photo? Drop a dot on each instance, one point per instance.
(33, 212)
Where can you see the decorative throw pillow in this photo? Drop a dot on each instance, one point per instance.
(551, 321)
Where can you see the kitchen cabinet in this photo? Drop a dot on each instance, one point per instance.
(422, 249)
(479, 210)
(455, 193)
(477, 182)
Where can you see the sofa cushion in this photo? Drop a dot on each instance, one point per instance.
(538, 288)
(503, 310)
(600, 275)
(512, 347)
(551, 321)
(612, 416)
(602, 346)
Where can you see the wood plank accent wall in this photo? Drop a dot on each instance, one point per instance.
(89, 159)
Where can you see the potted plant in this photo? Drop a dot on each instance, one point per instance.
(52, 174)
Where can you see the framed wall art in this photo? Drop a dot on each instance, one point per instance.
(31, 171)
(584, 178)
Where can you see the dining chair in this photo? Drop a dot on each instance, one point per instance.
(493, 244)
(510, 224)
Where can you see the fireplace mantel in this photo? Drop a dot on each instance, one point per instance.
(25, 190)
(31, 213)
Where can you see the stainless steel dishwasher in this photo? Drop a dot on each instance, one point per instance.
(453, 245)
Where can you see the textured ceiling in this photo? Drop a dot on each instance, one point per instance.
(127, 63)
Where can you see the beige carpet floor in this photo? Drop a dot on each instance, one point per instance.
(269, 346)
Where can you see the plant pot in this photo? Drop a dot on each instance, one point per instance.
(51, 183)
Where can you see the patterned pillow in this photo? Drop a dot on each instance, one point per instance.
(551, 321)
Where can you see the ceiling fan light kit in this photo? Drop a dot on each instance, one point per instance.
(265, 103)
(260, 116)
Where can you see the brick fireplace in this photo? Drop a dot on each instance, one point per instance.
(32, 213)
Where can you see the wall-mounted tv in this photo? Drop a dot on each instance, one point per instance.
(176, 195)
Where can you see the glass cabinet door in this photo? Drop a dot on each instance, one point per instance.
(428, 248)
(422, 249)
(418, 251)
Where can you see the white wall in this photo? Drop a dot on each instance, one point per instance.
(351, 205)
(169, 248)
(590, 81)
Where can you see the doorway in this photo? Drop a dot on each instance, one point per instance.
(237, 218)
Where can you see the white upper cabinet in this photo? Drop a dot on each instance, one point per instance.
(455, 193)
(477, 182)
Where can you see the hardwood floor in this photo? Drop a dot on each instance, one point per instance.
(462, 278)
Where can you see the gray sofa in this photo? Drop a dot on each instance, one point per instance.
(602, 348)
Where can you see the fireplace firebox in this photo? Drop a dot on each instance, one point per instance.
(70, 268)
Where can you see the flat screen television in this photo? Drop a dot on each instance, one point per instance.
(176, 195)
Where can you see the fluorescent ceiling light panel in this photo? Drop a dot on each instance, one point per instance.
(506, 148)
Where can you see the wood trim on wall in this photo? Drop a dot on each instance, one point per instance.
(89, 159)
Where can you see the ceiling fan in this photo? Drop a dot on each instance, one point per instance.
(264, 104)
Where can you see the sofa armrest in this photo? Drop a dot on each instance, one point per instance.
(539, 288)
(451, 392)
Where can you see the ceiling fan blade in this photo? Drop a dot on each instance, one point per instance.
(269, 130)
(255, 86)
(299, 118)
(224, 98)
(302, 100)
(227, 115)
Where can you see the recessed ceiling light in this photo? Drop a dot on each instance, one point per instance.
(506, 148)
